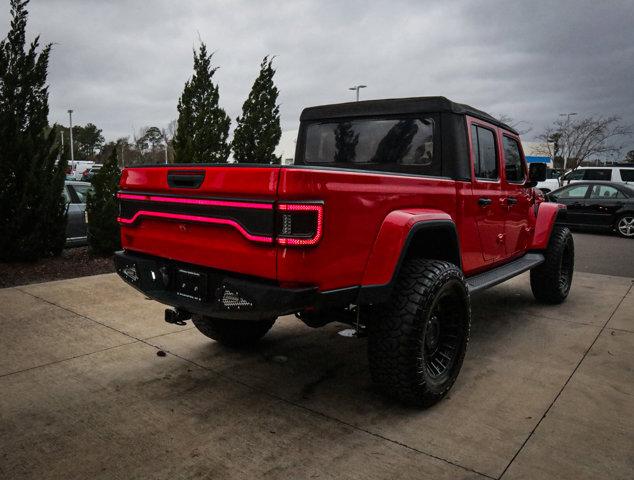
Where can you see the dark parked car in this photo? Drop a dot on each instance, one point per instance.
(75, 194)
(598, 205)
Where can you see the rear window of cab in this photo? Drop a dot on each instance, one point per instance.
(403, 145)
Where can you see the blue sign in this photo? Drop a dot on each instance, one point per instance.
(538, 159)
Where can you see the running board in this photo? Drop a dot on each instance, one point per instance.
(504, 272)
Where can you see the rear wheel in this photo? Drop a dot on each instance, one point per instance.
(417, 341)
(233, 333)
(551, 281)
(625, 225)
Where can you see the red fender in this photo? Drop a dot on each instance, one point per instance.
(391, 239)
(546, 217)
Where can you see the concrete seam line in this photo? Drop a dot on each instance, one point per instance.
(565, 383)
(323, 415)
(62, 360)
(184, 329)
(545, 317)
(79, 314)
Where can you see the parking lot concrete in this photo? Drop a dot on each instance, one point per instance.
(545, 392)
(604, 253)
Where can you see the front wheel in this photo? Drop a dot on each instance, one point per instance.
(417, 341)
(551, 281)
(625, 225)
(233, 333)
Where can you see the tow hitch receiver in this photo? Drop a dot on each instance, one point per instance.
(177, 316)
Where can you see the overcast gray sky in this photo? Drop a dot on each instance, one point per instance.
(122, 64)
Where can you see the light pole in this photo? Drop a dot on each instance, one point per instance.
(70, 121)
(357, 88)
(567, 115)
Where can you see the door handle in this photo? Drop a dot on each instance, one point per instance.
(511, 200)
(484, 202)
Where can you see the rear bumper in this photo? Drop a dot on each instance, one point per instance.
(224, 295)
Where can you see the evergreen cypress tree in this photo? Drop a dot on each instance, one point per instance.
(32, 209)
(258, 131)
(203, 127)
(102, 208)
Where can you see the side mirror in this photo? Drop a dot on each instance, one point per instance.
(536, 174)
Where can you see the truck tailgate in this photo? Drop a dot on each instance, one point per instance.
(216, 216)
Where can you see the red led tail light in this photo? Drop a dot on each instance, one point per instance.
(287, 215)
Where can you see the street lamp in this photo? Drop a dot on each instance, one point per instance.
(357, 88)
(70, 121)
(567, 115)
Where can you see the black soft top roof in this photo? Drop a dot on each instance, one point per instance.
(395, 106)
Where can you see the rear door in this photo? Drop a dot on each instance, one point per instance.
(574, 197)
(603, 202)
(518, 198)
(486, 188)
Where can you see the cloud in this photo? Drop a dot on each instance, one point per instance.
(122, 64)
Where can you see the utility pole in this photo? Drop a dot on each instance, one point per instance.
(165, 153)
(357, 88)
(70, 120)
(567, 115)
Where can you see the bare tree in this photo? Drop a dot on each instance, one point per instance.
(516, 124)
(574, 141)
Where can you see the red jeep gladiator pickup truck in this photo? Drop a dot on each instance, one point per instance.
(394, 213)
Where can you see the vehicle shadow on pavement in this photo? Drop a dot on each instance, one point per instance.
(516, 363)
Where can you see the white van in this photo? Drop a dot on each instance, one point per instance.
(618, 174)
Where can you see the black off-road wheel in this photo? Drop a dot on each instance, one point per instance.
(232, 333)
(551, 281)
(417, 341)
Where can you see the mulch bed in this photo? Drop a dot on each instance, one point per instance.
(73, 262)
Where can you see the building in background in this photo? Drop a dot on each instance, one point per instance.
(286, 148)
(535, 153)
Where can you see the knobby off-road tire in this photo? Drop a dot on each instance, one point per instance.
(233, 333)
(417, 341)
(551, 281)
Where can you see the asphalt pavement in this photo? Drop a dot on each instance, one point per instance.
(606, 254)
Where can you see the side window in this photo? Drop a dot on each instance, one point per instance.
(605, 192)
(627, 174)
(513, 166)
(598, 174)
(576, 175)
(574, 192)
(484, 153)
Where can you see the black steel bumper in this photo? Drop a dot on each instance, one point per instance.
(222, 295)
